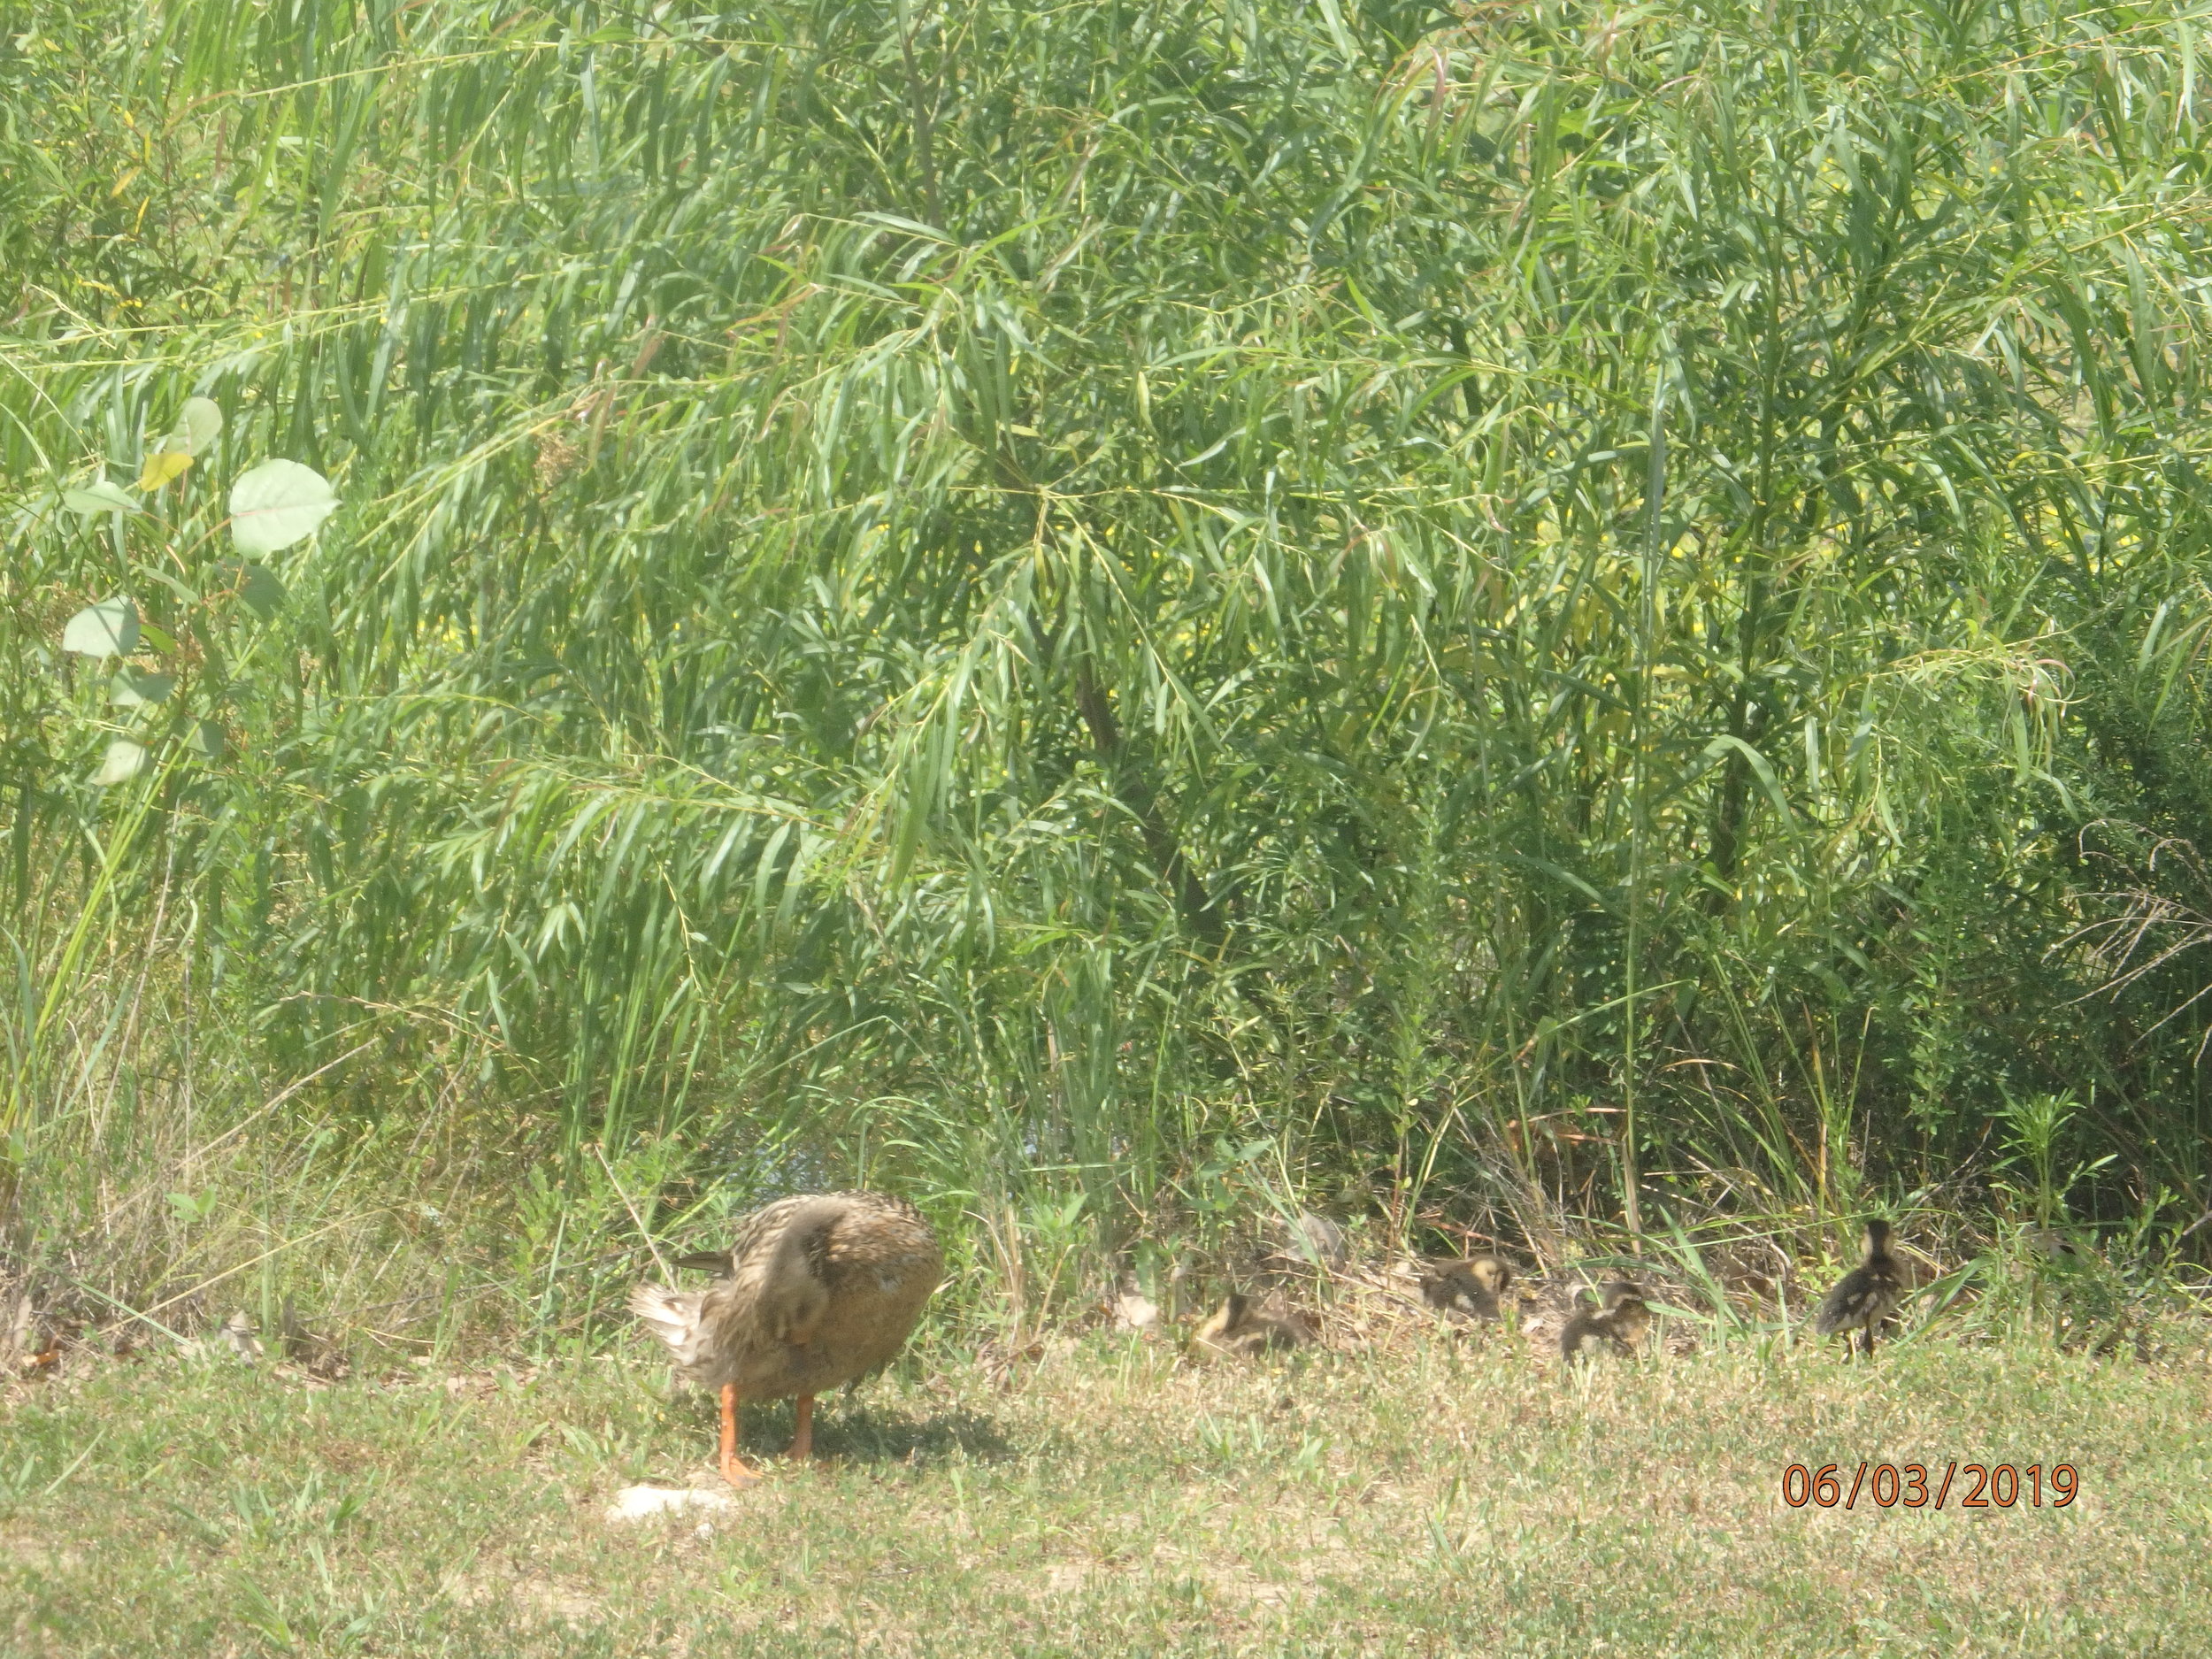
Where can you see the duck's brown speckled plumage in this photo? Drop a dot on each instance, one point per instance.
(817, 1291)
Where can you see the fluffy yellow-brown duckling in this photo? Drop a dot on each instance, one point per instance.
(1243, 1329)
(817, 1291)
(1468, 1285)
(1866, 1295)
(1617, 1325)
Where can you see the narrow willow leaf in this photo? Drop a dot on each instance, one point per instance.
(132, 689)
(107, 629)
(123, 761)
(106, 495)
(184, 591)
(277, 503)
(163, 466)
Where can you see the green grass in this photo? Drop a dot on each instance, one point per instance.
(1439, 1498)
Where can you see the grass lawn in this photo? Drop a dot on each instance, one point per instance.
(1447, 1498)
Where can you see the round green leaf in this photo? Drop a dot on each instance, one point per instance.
(107, 629)
(132, 689)
(99, 496)
(121, 763)
(196, 427)
(277, 503)
(206, 737)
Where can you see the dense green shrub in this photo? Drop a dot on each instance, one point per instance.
(1056, 593)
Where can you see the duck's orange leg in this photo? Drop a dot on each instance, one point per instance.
(802, 1442)
(734, 1470)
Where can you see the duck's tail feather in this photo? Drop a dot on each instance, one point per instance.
(672, 1315)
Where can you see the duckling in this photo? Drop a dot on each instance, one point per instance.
(318, 1354)
(1242, 1329)
(1866, 1295)
(1618, 1323)
(817, 1291)
(1469, 1285)
(2051, 1244)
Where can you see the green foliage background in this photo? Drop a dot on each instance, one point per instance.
(1599, 604)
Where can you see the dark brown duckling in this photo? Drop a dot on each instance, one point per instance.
(1864, 1297)
(817, 1291)
(1243, 1329)
(1468, 1285)
(1617, 1325)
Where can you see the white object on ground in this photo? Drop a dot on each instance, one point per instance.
(634, 1503)
(1132, 1312)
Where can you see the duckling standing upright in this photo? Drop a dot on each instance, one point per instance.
(1617, 1325)
(817, 1291)
(1866, 1295)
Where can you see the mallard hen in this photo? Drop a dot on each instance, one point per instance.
(1866, 1295)
(1617, 1324)
(817, 1291)
(1469, 1285)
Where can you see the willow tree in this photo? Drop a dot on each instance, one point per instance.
(1046, 589)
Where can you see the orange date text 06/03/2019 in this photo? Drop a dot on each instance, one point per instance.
(1909, 1486)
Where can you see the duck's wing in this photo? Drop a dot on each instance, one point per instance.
(757, 1230)
(791, 1295)
(1885, 1288)
(1860, 1296)
(770, 1280)
(1834, 1310)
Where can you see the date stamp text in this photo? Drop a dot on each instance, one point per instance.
(1907, 1486)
